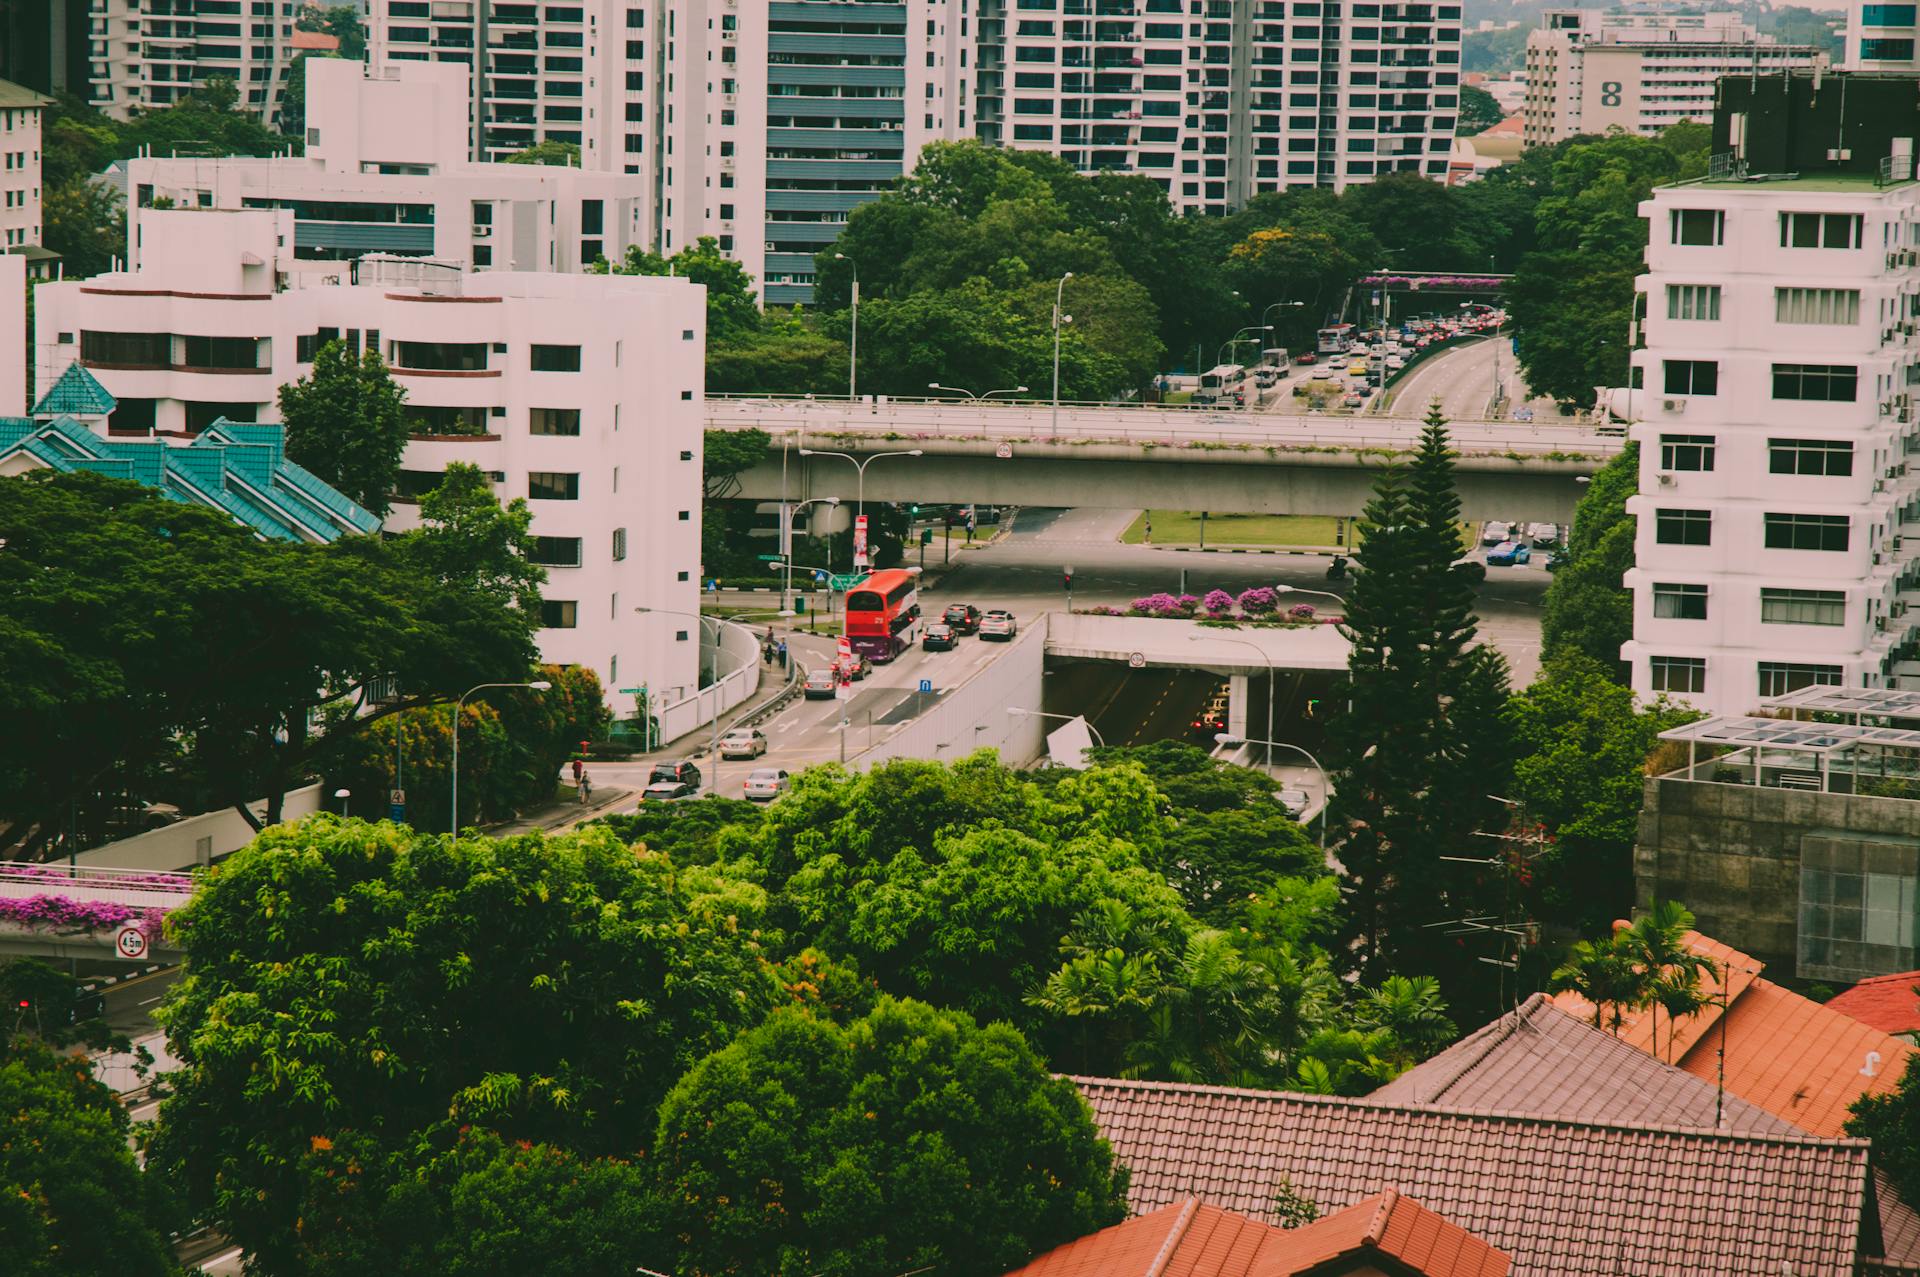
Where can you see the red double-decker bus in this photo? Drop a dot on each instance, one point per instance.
(883, 614)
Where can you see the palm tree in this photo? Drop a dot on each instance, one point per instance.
(1657, 945)
(1414, 1013)
(1604, 973)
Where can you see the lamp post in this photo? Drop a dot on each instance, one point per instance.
(1220, 355)
(1326, 782)
(1267, 313)
(538, 685)
(1070, 718)
(961, 390)
(343, 795)
(1059, 296)
(1325, 594)
(853, 347)
(1272, 677)
(860, 464)
(713, 782)
(786, 551)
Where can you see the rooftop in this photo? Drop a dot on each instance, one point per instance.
(19, 95)
(1879, 702)
(1888, 1003)
(1837, 183)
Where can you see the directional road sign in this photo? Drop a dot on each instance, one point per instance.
(847, 582)
(926, 685)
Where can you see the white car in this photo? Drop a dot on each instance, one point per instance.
(1295, 801)
(998, 625)
(743, 742)
(764, 784)
(1495, 531)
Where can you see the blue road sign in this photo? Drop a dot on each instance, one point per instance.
(926, 685)
(819, 576)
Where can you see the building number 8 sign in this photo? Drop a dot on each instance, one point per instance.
(1609, 93)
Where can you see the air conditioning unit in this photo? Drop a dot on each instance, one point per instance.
(729, 97)
(1673, 405)
(1664, 478)
(771, 248)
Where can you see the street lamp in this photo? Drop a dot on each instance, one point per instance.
(1325, 594)
(713, 783)
(786, 551)
(961, 390)
(1220, 355)
(539, 685)
(853, 348)
(1059, 294)
(343, 795)
(1326, 782)
(1265, 315)
(1273, 691)
(861, 464)
(1071, 718)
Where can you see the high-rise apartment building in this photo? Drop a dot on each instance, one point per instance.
(1880, 37)
(1221, 100)
(1589, 71)
(21, 111)
(153, 53)
(1778, 516)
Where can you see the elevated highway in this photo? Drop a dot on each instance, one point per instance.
(1106, 456)
(52, 911)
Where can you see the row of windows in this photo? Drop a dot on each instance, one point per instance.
(1684, 602)
(566, 552)
(1828, 457)
(1782, 531)
(1706, 227)
(1818, 383)
(1790, 305)
(1775, 678)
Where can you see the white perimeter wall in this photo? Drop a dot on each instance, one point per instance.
(738, 671)
(197, 840)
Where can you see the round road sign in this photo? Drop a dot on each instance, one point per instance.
(1137, 660)
(130, 942)
(1003, 451)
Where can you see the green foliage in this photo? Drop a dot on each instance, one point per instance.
(1891, 1119)
(353, 982)
(342, 22)
(1502, 50)
(1648, 965)
(347, 422)
(784, 362)
(1478, 111)
(72, 1201)
(906, 1139)
(467, 539)
(40, 1000)
(1588, 609)
(732, 314)
(549, 151)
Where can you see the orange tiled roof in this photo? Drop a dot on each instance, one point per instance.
(1191, 1239)
(1513, 125)
(1887, 1002)
(315, 42)
(1787, 1054)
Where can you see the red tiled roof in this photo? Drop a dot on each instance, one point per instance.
(1564, 1199)
(1514, 124)
(315, 42)
(1889, 1003)
(1192, 1239)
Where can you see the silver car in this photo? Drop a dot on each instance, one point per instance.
(764, 784)
(998, 625)
(743, 742)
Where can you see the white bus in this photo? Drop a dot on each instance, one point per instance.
(1226, 384)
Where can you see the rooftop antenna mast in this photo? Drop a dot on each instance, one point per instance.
(1522, 845)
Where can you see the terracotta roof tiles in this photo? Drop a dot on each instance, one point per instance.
(1888, 1003)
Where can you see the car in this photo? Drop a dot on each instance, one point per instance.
(1543, 535)
(940, 637)
(743, 742)
(1358, 368)
(1324, 374)
(764, 784)
(1352, 399)
(857, 669)
(998, 624)
(1494, 531)
(1556, 560)
(1508, 554)
(1295, 801)
(668, 791)
(674, 772)
(1396, 362)
(1306, 357)
(821, 684)
(963, 617)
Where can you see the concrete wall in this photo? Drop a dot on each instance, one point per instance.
(14, 400)
(739, 656)
(197, 840)
(974, 714)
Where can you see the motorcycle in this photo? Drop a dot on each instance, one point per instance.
(1337, 570)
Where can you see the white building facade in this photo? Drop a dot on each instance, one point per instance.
(1590, 71)
(1880, 37)
(150, 54)
(21, 113)
(1778, 514)
(580, 394)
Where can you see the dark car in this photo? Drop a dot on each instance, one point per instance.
(857, 668)
(963, 617)
(940, 638)
(677, 772)
(668, 791)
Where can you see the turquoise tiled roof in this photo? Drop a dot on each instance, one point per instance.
(237, 467)
(77, 393)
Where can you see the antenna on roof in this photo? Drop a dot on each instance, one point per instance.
(1523, 844)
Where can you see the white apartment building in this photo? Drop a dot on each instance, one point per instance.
(1589, 71)
(579, 393)
(153, 53)
(1221, 101)
(1777, 512)
(386, 170)
(20, 114)
(1880, 37)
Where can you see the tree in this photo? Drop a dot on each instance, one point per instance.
(469, 541)
(1657, 944)
(907, 1139)
(368, 986)
(342, 22)
(732, 313)
(1891, 1119)
(347, 422)
(1588, 608)
(43, 1001)
(1603, 973)
(1478, 111)
(549, 151)
(73, 1203)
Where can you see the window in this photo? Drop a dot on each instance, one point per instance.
(134, 350)
(1677, 673)
(1803, 607)
(556, 552)
(1683, 527)
(1698, 226)
(433, 419)
(1686, 452)
(1777, 678)
(619, 544)
(1692, 376)
(1680, 602)
(1826, 383)
(1816, 305)
(1877, 50)
(552, 485)
(1820, 230)
(1807, 531)
(1886, 15)
(1693, 301)
(559, 614)
(441, 356)
(1887, 913)
(553, 421)
(1810, 456)
(220, 352)
(556, 359)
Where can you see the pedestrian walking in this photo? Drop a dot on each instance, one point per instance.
(578, 767)
(783, 654)
(766, 652)
(586, 785)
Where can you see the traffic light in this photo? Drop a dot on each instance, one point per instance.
(913, 511)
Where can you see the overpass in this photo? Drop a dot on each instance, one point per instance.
(54, 911)
(1125, 457)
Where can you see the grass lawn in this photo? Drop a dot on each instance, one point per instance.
(1182, 527)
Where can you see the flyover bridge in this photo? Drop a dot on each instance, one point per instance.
(55, 911)
(1134, 457)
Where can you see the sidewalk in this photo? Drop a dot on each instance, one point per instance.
(561, 815)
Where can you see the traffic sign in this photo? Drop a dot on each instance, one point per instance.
(1003, 451)
(1136, 660)
(397, 797)
(130, 942)
(860, 541)
(633, 691)
(839, 582)
(926, 685)
(819, 576)
(768, 558)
